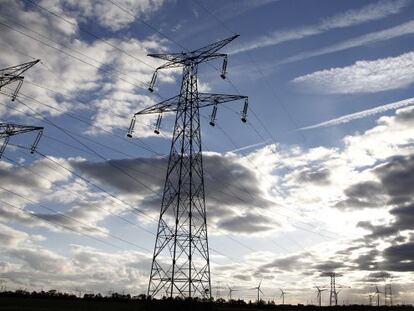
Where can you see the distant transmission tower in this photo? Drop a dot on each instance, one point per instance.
(181, 263)
(7, 76)
(333, 295)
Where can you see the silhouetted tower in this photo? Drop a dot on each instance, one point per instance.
(8, 129)
(181, 263)
(10, 75)
(370, 299)
(333, 296)
(388, 295)
(14, 74)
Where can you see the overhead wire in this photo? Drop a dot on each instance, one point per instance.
(73, 219)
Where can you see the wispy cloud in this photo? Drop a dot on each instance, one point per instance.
(361, 114)
(386, 34)
(362, 77)
(251, 146)
(368, 13)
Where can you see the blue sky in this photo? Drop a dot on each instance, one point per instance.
(322, 170)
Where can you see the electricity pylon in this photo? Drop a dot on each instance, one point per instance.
(8, 129)
(181, 263)
(333, 295)
(7, 76)
(14, 74)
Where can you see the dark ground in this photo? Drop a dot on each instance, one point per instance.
(77, 304)
(52, 300)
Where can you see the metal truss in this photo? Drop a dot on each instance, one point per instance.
(14, 74)
(181, 263)
(9, 129)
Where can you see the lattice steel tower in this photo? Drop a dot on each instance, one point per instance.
(181, 264)
(8, 76)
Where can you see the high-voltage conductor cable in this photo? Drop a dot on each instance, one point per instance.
(70, 218)
(79, 118)
(90, 33)
(269, 86)
(74, 57)
(113, 68)
(78, 195)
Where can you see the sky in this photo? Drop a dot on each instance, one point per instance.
(319, 179)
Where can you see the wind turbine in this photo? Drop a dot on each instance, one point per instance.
(377, 292)
(231, 290)
(258, 291)
(282, 295)
(319, 295)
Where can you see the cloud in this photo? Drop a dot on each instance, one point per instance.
(116, 15)
(370, 38)
(361, 114)
(225, 196)
(104, 73)
(362, 77)
(250, 223)
(368, 13)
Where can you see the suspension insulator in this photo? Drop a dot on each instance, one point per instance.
(152, 83)
(158, 124)
(16, 91)
(131, 127)
(224, 68)
(244, 113)
(213, 115)
(36, 142)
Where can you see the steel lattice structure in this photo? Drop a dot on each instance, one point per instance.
(14, 74)
(8, 129)
(181, 263)
(7, 76)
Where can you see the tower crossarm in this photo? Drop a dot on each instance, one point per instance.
(168, 105)
(14, 73)
(10, 129)
(197, 56)
(204, 100)
(209, 99)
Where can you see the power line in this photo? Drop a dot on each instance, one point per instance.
(88, 32)
(70, 55)
(77, 195)
(71, 49)
(32, 214)
(74, 219)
